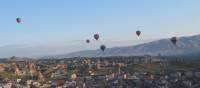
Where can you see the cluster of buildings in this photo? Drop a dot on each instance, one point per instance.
(114, 80)
(101, 72)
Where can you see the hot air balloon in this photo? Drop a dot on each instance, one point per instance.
(18, 20)
(88, 41)
(103, 47)
(96, 36)
(174, 40)
(138, 33)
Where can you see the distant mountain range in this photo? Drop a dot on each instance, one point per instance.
(185, 46)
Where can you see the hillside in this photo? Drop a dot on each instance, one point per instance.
(185, 46)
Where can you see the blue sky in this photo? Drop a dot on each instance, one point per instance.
(68, 23)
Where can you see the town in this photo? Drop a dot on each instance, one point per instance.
(100, 72)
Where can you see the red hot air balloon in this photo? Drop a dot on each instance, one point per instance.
(96, 36)
(138, 33)
(18, 20)
(174, 40)
(103, 47)
(88, 41)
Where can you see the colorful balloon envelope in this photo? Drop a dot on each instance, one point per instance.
(103, 47)
(174, 40)
(18, 20)
(138, 33)
(96, 36)
(88, 41)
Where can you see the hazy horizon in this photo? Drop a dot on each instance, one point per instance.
(59, 27)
